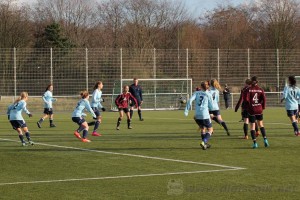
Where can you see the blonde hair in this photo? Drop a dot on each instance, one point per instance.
(124, 87)
(214, 83)
(84, 94)
(22, 96)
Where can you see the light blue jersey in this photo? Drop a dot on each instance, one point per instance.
(15, 110)
(291, 95)
(96, 99)
(48, 99)
(215, 97)
(81, 105)
(203, 101)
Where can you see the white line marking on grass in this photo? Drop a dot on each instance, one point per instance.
(117, 177)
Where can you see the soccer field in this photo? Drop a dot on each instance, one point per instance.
(160, 158)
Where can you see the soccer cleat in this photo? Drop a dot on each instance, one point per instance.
(96, 134)
(142, 119)
(257, 134)
(246, 137)
(129, 127)
(203, 145)
(297, 133)
(77, 135)
(23, 144)
(38, 124)
(85, 140)
(52, 125)
(118, 128)
(208, 145)
(255, 145)
(266, 142)
(31, 142)
(228, 134)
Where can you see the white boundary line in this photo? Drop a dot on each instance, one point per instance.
(228, 168)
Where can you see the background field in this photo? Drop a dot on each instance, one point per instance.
(61, 167)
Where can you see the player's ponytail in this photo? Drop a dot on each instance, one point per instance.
(48, 87)
(97, 84)
(84, 94)
(22, 96)
(215, 84)
(254, 80)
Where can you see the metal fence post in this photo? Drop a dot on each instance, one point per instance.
(51, 66)
(218, 70)
(277, 70)
(121, 69)
(154, 76)
(87, 68)
(248, 63)
(15, 72)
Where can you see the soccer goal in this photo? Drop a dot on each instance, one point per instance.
(159, 94)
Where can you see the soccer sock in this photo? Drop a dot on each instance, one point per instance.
(21, 138)
(91, 123)
(41, 120)
(224, 126)
(80, 129)
(27, 135)
(202, 136)
(85, 133)
(128, 122)
(119, 121)
(263, 132)
(295, 127)
(253, 135)
(245, 129)
(51, 121)
(140, 114)
(131, 113)
(97, 124)
(206, 138)
(256, 126)
(216, 120)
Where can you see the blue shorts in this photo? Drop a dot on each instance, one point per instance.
(78, 120)
(253, 118)
(96, 111)
(204, 123)
(215, 112)
(291, 113)
(18, 124)
(48, 111)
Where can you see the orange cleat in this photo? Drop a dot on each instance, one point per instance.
(96, 134)
(77, 135)
(85, 140)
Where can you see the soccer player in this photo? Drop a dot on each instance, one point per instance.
(122, 102)
(96, 105)
(203, 101)
(16, 119)
(48, 109)
(77, 116)
(136, 91)
(255, 101)
(290, 94)
(244, 112)
(215, 110)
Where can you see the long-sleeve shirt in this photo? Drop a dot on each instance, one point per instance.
(48, 99)
(215, 97)
(81, 105)
(96, 99)
(291, 95)
(15, 110)
(136, 91)
(122, 100)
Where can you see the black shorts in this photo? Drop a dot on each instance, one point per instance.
(126, 110)
(204, 123)
(78, 120)
(96, 111)
(215, 112)
(291, 113)
(253, 118)
(245, 114)
(48, 111)
(18, 124)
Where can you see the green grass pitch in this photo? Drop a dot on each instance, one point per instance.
(160, 158)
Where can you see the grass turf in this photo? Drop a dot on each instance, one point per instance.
(59, 166)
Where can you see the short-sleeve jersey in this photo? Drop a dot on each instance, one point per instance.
(255, 100)
(48, 99)
(96, 99)
(291, 95)
(203, 101)
(215, 97)
(81, 105)
(15, 110)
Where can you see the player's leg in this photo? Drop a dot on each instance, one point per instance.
(219, 118)
(252, 128)
(85, 132)
(27, 134)
(131, 112)
(246, 123)
(97, 122)
(292, 115)
(121, 113)
(39, 123)
(128, 118)
(21, 137)
(140, 111)
(262, 129)
(79, 121)
(51, 119)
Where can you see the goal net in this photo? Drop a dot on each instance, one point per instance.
(158, 94)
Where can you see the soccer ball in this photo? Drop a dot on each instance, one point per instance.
(182, 100)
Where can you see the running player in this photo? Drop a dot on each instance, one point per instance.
(290, 94)
(122, 102)
(16, 119)
(48, 109)
(215, 110)
(203, 101)
(136, 91)
(255, 100)
(77, 116)
(96, 105)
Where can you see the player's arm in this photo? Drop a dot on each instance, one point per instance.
(189, 104)
(25, 110)
(117, 100)
(132, 97)
(284, 94)
(239, 102)
(89, 108)
(141, 94)
(264, 100)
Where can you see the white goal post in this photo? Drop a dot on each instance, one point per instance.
(159, 94)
